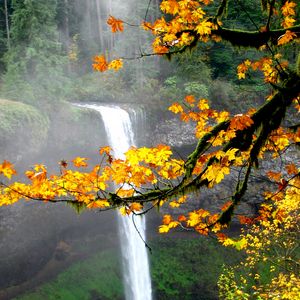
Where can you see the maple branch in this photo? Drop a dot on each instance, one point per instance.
(139, 233)
(246, 38)
(253, 39)
(202, 146)
(267, 118)
(147, 10)
(271, 11)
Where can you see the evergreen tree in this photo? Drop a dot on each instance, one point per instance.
(35, 61)
(5, 11)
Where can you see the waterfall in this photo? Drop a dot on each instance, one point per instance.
(136, 270)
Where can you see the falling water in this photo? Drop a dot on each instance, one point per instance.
(134, 253)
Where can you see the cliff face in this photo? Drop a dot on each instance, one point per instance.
(173, 132)
(30, 135)
(30, 232)
(180, 136)
(23, 130)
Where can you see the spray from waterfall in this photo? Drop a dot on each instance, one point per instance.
(134, 253)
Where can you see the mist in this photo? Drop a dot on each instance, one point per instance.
(43, 126)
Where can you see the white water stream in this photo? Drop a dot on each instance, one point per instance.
(136, 270)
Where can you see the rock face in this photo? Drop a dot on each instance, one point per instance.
(33, 233)
(30, 236)
(173, 132)
(180, 136)
(23, 130)
(30, 232)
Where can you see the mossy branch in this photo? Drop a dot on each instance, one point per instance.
(253, 39)
(267, 118)
(202, 146)
(245, 38)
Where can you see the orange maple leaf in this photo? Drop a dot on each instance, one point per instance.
(240, 122)
(243, 68)
(160, 50)
(136, 206)
(100, 64)
(6, 168)
(288, 8)
(274, 175)
(181, 218)
(190, 99)
(291, 169)
(167, 219)
(105, 150)
(246, 220)
(116, 24)
(80, 162)
(287, 37)
(170, 7)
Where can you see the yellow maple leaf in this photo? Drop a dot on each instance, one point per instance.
(163, 229)
(288, 22)
(193, 219)
(115, 64)
(182, 199)
(125, 192)
(216, 173)
(243, 68)
(185, 39)
(231, 153)
(173, 224)
(7, 169)
(175, 108)
(124, 211)
(80, 162)
(98, 204)
(174, 204)
(204, 28)
(203, 104)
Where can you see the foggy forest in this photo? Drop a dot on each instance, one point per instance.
(149, 150)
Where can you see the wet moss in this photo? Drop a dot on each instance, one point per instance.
(22, 128)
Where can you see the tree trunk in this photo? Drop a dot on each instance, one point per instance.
(99, 20)
(139, 71)
(111, 42)
(89, 19)
(7, 24)
(66, 23)
(67, 31)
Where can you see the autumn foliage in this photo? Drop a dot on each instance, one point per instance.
(153, 177)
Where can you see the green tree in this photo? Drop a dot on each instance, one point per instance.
(35, 61)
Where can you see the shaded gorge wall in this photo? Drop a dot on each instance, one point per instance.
(32, 234)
